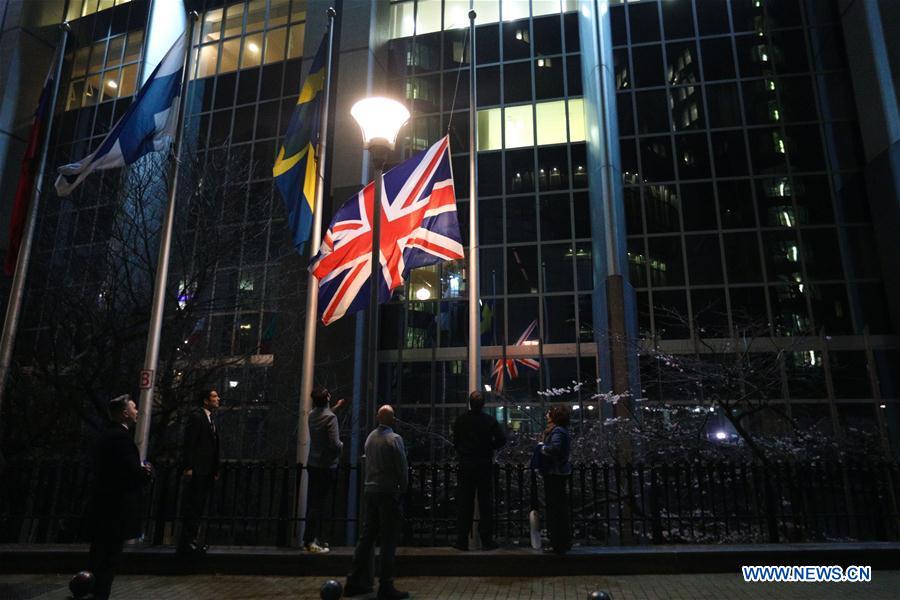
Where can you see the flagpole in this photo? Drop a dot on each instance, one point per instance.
(13, 308)
(473, 277)
(312, 294)
(151, 357)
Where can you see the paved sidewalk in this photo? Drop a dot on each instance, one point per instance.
(884, 585)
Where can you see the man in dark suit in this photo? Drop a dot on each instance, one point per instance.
(115, 515)
(201, 470)
(475, 436)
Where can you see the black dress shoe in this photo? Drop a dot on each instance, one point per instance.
(460, 546)
(489, 545)
(356, 590)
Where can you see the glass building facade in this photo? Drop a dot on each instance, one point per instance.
(741, 166)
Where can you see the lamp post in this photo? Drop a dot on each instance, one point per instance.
(380, 120)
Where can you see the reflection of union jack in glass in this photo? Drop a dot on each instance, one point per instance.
(511, 363)
(419, 227)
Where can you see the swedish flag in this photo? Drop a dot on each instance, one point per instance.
(296, 164)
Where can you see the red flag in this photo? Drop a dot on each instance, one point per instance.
(25, 186)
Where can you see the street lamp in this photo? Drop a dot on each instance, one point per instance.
(380, 120)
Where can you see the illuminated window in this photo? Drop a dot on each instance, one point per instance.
(211, 30)
(229, 59)
(402, 22)
(206, 62)
(551, 125)
(278, 12)
(96, 74)
(514, 9)
(456, 14)
(234, 19)
(256, 15)
(488, 11)
(544, 7)
(252, 54)
(519, 126)
(551, 122)
(576, 120)
(428, 16)
(490, 134)
(295, 45)
(83, 8)
(275, 42)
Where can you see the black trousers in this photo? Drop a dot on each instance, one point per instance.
(319, 487)
(382, 521)
(556, 494)
(196, 494)
(103, 560)
(475, 478)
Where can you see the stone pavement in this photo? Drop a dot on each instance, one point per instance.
(884, 585)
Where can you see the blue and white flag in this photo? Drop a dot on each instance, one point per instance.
(148, 125)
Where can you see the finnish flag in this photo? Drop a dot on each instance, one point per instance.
(148, 125)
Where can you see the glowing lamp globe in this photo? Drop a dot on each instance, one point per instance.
(380, 120)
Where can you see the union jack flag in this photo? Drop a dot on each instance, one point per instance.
(511, 363)
(419, 227)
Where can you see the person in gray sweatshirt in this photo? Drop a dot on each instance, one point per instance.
(386, 480)
(324, 454)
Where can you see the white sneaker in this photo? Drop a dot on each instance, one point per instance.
(315, 548)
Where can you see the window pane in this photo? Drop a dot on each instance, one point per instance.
(456, 14)
(295, 46)
(521, 220)
(128, 85)
(402, 23)
(548, 78)
(252, 51)
(92, 90)
(521, 270)
(488, 11)
(519, 126)
(133, 46)
(665, 261)
(576, 120)
(256, 15)
(76, 93)
(551, 122)
(206, 63)
(234, 17)
(517, 82)
(275, 39)
(96, 62)
(557, 267)
(514, 9)
(516, 40)
(298, 10)
(110, 82)
(81, 61)
(544, 7)
(648, 66)
(114, 54)
(212, 26)
(553, 168)
(278, 12)
(519, 171)
(489, 129)
(230, 50)
(428, 16)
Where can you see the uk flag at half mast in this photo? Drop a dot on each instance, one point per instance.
(419, 227)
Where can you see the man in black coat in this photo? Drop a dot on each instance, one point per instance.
(115, 514)
(201, 470)
(475, 436)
